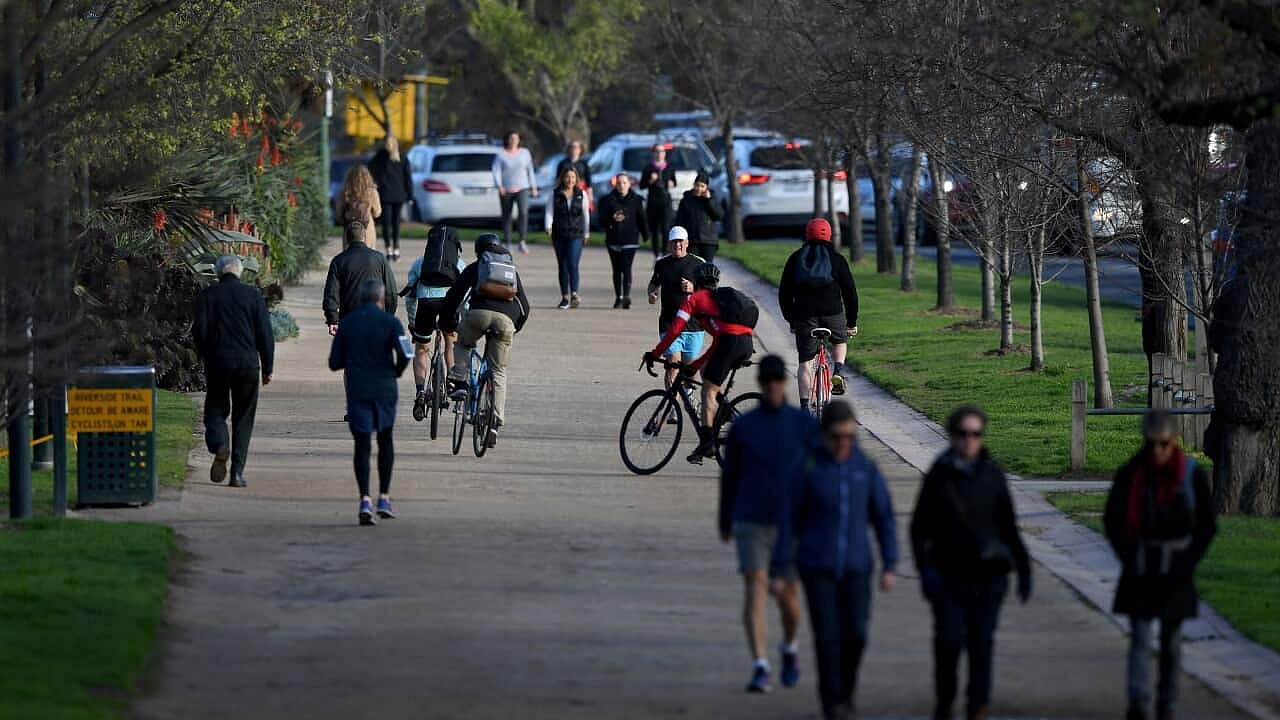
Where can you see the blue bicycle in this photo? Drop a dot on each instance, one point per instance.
(476, 407)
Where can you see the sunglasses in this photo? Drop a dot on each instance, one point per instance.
(968, 433)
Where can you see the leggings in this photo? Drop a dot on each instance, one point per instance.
(659, 219)
(621, 259)
(386, 459)
(391, 224)
(568, 254)
(521, 201)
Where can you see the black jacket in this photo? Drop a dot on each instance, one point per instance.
(959, 512)
(347, 271)
(567, 221)
(799, 303)
(368, 348)
(1155, 594)
(633, 227)
(517, 309)
(660, 190)
(699, 215)
(232, 328)
(580, 165)
(395, 183)
(667, 274)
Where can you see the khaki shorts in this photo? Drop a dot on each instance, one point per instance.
(755, 544)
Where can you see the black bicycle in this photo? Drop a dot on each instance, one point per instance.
(653, 426)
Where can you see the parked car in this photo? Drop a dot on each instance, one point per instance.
(546, 179)
(776, 178)
(454, 182)
(632, 151)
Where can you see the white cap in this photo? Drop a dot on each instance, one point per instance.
(677, 233)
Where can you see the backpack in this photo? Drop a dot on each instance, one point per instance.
(496, 276)
(736, 307)
(813, 271)
(440, 259)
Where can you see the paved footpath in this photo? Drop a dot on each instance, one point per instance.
(543, 581)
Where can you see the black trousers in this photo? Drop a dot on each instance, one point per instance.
(658, 215)
(232, 393)
(621, 260)
(386, 460)
(391, 225)
(706, 251)
(965, 614)
(521, 202)
(839, 611)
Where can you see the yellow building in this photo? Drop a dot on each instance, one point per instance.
(403, 105)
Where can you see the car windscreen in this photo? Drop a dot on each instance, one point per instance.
(679, 158)
(462, 162)
(779, 157)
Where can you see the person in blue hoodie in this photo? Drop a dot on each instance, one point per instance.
(834, 502)
(764, 448)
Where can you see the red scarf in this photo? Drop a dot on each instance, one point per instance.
(1167, 479)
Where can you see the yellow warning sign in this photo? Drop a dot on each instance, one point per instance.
(117, 410)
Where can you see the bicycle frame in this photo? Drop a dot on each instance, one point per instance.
(479, 366)
(685, 383)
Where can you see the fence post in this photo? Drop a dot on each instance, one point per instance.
(1188, 384)
(1157, 380)
(1204, 399)
(1170, 381)
(1079, 412)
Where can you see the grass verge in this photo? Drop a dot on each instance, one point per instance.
(1240, 577)
(935, 361)
(175, 420)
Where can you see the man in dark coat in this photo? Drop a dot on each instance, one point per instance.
(1160, 520)
(965, 538)
(347, 272)
(698, 213)
(232, 332)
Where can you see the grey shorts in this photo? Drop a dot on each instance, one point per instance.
(755, 544)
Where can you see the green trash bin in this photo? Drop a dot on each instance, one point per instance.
(112, 410)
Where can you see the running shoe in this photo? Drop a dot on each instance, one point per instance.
(760, 681)
(837, 384)
(790, 669)
(617, 304)
(524, 248)
(575, 301)
(218, 470)
(491, 440)
(237, 480)
(626, 303)
(384, 509)
(366, 513)
(420, 406)
(705, 449)
(564, 304)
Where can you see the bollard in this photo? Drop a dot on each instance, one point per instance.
(1079, 413)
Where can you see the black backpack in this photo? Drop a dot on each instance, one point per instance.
(813, 270)
(440, 259)
(736, 307)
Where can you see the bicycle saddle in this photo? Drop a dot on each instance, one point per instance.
(820, 333)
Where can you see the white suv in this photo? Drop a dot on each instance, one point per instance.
(454, 183)
(632, 151)
(776, 178)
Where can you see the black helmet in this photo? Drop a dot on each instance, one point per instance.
(706, 276)
(489, 241)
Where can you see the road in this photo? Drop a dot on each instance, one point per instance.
(542, 581)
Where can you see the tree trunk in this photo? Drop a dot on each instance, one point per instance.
(733, 220)
(942, 221)
(1037, 288)
(911, 183)
(833, 216)
(880, 183)
(1164, 316)
(856, 249)
(818, 199)
(1006, 288)
(1093, 297)
(1244, 434)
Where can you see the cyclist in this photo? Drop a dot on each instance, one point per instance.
(817, 291)
(498, 310)
(424, 294)
(672, 283)
(730, 317)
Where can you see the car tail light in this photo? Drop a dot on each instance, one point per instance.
(435, 186)
(840, 175)
(792, 146)
(749, 179)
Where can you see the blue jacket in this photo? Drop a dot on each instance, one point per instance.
(765, 448)
(369, 348)
(829, 510)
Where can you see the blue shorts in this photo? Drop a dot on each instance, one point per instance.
(370, 416)
(688, 344)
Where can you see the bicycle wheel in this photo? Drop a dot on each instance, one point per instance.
(726, 414)
(651, 432)
(484, 420)
(460, 408)
(437, 394)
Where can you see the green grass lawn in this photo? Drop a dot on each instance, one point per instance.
(1240, 577)
(935, 362)
(175, 421)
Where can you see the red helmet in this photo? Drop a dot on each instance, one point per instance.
(818, 229)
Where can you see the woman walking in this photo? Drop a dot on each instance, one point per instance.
(395, 188)
(514, 176)
(964, 534)
(358, 202)
(623, 217)
(568, 223)
(658, 180)
(830, 510)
